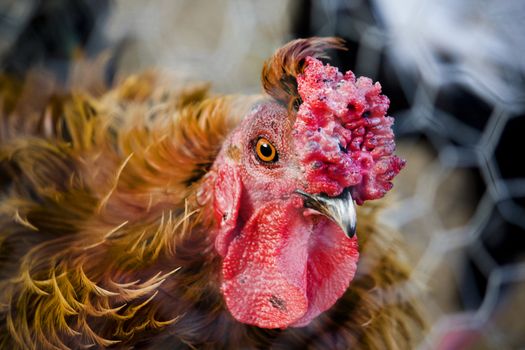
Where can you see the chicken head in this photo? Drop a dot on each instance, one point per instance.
(285, 182)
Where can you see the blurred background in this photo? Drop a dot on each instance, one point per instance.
(454, 71)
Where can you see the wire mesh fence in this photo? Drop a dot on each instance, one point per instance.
(456, 71)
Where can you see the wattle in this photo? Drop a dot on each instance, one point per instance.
(284, 269)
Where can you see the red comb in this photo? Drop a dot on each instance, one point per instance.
(343, 135)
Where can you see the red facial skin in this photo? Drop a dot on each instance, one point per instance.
(282, 265)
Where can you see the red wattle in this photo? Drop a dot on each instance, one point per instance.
(284, 269)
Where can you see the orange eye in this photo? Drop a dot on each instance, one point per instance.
(265, 151)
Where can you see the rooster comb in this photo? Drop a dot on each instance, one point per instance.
(279, 73)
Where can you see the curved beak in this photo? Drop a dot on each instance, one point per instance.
(340, 209)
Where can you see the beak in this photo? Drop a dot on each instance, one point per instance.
(340, 209)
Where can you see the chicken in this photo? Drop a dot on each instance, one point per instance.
(160, 217)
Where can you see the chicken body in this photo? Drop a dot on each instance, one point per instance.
(108, 226)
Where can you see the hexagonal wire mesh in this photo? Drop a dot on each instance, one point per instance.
(455, 76)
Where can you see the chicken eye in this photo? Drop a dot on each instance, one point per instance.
(265, 151)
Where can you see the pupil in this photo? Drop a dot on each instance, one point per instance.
(266, 150)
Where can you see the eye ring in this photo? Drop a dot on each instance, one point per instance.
(265, 151)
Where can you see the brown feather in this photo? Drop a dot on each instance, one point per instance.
(279, 73)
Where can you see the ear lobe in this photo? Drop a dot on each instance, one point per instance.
(226, 203)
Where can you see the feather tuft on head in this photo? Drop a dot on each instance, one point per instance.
(279, 73)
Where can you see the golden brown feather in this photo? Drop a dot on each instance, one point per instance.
(280, 71)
